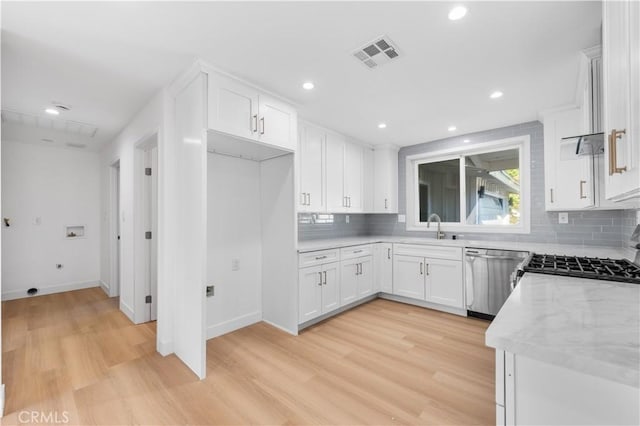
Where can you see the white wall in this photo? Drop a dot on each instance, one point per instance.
(55, 187)
(145, 124)
(234, 232)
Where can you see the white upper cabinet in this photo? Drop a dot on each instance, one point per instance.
(353, 177)
(244, 111)
(311, 154)
(336, 201)
(621, 94)
(233, 107)
(569, 179)
(385, 186)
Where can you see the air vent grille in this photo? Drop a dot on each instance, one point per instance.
(377, 52)
(68, 126)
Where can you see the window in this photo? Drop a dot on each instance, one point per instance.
(483, 188)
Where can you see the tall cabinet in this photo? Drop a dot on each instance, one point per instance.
(621, 92)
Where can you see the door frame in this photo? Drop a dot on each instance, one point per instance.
(115, 246)
(141, 247)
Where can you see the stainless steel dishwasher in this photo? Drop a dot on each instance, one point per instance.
(488, 276)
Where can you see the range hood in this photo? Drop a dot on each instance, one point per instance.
(591, 144)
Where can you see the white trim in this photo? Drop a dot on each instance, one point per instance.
(233, 324)
(2, 400)
(50, 289)
(165, 347)
(336, 312)
(522, 143)
(126, 309)
(295, 333)
(423, 304)
(105, 287)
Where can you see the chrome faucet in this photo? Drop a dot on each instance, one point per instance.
(439, 234)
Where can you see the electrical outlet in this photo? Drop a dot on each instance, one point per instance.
(346, 218)
(563, 218)
(235, 264)
(402, 218)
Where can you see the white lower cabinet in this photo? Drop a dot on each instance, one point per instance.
(383, 262)
(319, 290)
(430, 274)
(356, 279)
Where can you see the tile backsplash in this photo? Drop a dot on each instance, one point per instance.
(590, 228)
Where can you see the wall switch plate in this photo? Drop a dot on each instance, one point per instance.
(235, 264)
(346, 218)
(402, 218)
(563, 218)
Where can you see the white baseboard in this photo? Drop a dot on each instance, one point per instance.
(105, 287)
(126, 309)
(50, 289)
(2, 400)
(165, 347)
(286, 330)
(423, 304)
(233, 324)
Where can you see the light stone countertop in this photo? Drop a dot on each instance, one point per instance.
(562, 249)
(589, 326)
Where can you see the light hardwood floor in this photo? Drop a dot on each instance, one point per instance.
(380, 363)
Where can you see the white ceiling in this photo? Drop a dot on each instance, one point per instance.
(108, 59)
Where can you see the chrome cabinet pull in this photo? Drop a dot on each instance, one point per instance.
(321, 257)
(262, 125)
(613, 151)
(388, 253)
(427, 267)
(551, 193)
(357, 251)
(325, 277)
(344, 201)
(320, 273)
(349, 201)
(582, 196)
(304, 199)
(309, 198)
(255, 123)
(386, 206)
(421, 273)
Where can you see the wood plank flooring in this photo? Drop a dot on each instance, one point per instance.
(380, 363)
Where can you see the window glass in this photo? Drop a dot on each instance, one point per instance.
(439, 190)
(492, 186)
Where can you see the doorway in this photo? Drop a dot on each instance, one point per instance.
(146, 229)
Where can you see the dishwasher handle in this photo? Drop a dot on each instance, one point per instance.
(490, 256)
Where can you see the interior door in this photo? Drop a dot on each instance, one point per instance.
(444, 282)
(233, 107)
(365, 279)
(277, 123)
(408, 276)
(348, 281)
(311, 170)
(151, 225)
(310, 294)
(330, 287)
(335, 173)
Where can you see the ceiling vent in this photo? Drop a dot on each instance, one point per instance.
(377, 52)
(67, 126)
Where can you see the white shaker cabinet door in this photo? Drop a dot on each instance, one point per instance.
(233, 107)
(365, 278)
(277, 124)
(444, 282)
(311, 152)
(353, 177)
(330, 287)
(408, 276)
(336, 201)
(349, 270)
(310, 293)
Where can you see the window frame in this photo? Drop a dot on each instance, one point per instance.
(521, 143)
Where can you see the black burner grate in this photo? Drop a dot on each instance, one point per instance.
(584, 267)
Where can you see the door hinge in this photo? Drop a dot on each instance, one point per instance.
(147, 171)
(147, 299)
(147, 235)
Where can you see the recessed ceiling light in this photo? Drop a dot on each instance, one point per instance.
(382, 126)
(457, 12)
(308, 85)
(452, 128)
(495, 95)
(52, 111)
(466, 141)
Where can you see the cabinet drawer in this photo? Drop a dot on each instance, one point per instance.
(434, 252)
(356, 251)
(317, 257)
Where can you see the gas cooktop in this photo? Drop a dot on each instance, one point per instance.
(584, 267)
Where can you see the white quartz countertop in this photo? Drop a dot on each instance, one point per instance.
(563, 249)
(586, 325)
